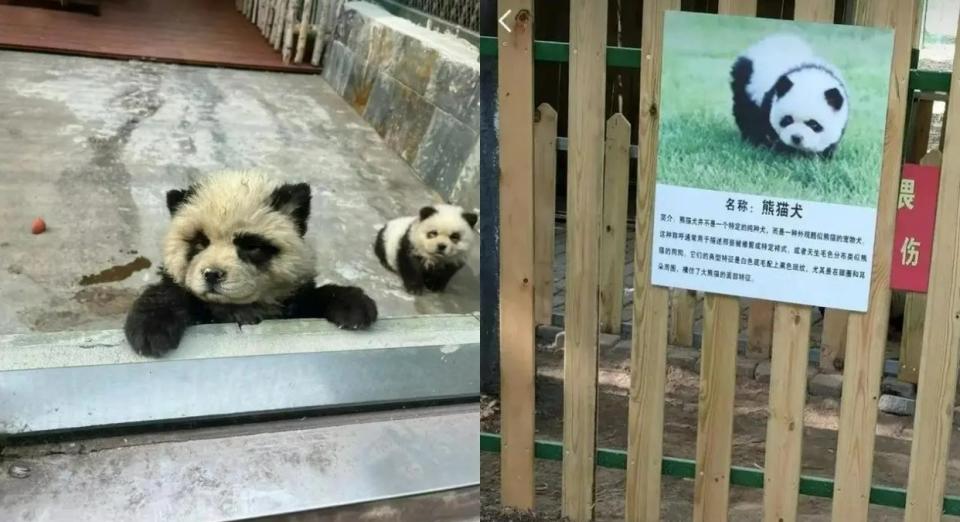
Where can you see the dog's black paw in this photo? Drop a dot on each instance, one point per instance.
(154, 334)
(351, 308)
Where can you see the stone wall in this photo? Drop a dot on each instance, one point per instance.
(418, 88)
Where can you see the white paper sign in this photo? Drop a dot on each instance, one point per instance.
(771, 136)
(801, 252)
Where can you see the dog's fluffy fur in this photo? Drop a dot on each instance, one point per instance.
(426, 250)
(788, 99)
(235, 252)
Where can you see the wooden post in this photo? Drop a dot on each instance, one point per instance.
(759, 328)
(292, 7)
(517, 327)
(544, 210)
(718, 375)
(923, 120)
(782, 461)
(915, 305)
(261, 14)
(721, 322)
(276, 39)
(648, 353)
(613, 242)
(833, 340)
(304, 31)
(683, 308)
(791, 341)
(588, 66)
(867, 332)
(933, 421)
(320, 29)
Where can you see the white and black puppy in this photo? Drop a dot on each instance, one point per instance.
(787, 98)
(235, 252)
(428, 249)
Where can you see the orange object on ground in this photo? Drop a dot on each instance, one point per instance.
(39, 226)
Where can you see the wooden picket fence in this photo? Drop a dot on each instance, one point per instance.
(292, 26)
(596, 217)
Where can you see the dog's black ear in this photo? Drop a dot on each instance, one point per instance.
(470, 218)
(426, 212)
(782, 86)
(834, 98)
(176, 199)
(294, 201)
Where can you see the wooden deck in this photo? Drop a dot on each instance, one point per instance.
(196, 32)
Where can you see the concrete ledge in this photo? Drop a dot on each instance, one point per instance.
(72, 380)
(418, 88)
(213, 341)
(322, 464)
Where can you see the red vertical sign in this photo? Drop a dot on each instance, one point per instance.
(913, 235)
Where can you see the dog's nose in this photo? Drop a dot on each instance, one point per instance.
(796, 139)
(441, 247)
(213, 276)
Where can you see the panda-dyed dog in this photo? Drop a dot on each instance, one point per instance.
(428, 249)
(788, 99)
(235, 252)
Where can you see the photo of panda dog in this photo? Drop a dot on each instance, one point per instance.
(428, 249)
(787, 98)
(235, 252)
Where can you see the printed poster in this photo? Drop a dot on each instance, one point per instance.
(769, 159)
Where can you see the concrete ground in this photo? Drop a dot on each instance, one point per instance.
(93, 145)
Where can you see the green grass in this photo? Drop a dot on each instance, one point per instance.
(700, 145)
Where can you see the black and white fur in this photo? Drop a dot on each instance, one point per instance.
(235, 252)
(428, 249)
(788, 99)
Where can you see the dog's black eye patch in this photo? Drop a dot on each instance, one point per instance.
(814, 125)
(455, 237)
(197, 243)
(432, 234)
(786, 120)
(255, 249)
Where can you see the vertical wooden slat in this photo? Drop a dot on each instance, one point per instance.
(648, 353)
(937, 384)
(718, 374)
(914, 312)
(911, 341)
(613, 235)
(923, 120)
(288, 26)
(683, 307)
(276, 34)
(833, 340)
(788, 369)
(304, 31)
(544, 209)
(321, 30)
(759, 328)
(517, 328)
(588, 32)
(867, 332)
(914, 307)
(721, 322)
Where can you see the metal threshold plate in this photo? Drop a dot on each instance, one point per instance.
(369, 458)
(70, 380)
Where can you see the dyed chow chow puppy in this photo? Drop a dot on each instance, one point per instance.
(426, 250)
(235, 252)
